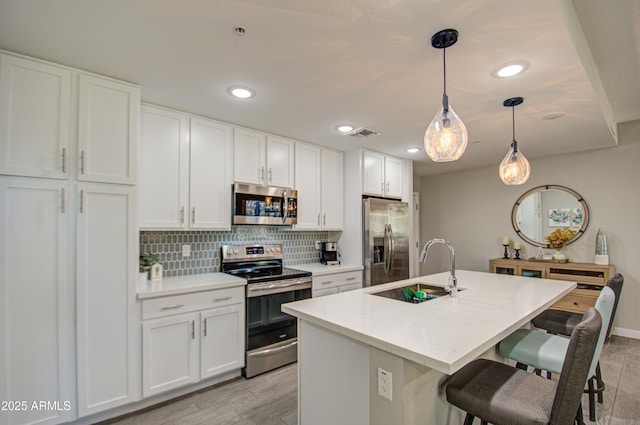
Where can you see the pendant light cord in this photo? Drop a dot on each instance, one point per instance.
(445, 98)
(513, 122)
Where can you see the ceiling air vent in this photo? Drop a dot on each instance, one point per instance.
(362, 133)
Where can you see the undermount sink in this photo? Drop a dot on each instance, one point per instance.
(408, 293)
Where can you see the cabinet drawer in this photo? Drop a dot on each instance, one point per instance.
(167, 306)
(336, 279)
(577, 301)
(350, 287)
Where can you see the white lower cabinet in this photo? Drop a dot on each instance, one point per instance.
(333, 283)
(184, 341)
(108, 344)
(36, 296)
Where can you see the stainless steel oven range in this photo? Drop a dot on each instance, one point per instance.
(271, 337)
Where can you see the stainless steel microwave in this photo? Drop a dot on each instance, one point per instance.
(253, 204)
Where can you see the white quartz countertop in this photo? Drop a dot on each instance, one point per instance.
(444, 333)
(319, 269)
(186, 284)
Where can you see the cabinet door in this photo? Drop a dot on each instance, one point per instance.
(211, 178)
(249, 157)
(222, 345)
(394, 177)
(107, 332)
(170, 351)
(163, 176)
(35, 101)
(35, 319)
(373, 173)
(108, 114)
(279, 162)
(332, 190)
(308, 171)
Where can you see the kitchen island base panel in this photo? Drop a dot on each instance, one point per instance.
(337, 383)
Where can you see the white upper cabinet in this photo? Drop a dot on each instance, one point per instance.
(382, 175)
(163, 169)
(308, 173)
(35, 102)
(249, 156)
(261, 159)
(210, 175)
(319, 182)
(107, 130)
(37, 128)
(185, 171)
(332, 190)
(279, 165)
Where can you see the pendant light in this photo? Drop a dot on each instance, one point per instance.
(514, 168)
(446, 137)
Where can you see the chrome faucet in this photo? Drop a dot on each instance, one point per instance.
(452, 285)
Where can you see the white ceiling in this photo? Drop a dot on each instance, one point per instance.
(316, 64)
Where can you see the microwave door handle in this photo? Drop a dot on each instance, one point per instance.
(285, 206)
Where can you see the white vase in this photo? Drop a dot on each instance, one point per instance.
(143, 277)
(558, 255)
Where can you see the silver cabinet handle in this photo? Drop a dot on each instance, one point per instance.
(193, 215)
(204, 326)
(324, 219)
(382, 186)
(326, 282)
(171, 307)
(62, 200)
(81, 201)
(318, 219)
(387, 186)
(193, 329)
(270, 176)
(182, 215)
(262, 173)
(217, 300)
(82, 162)
(64, 160)
(351, 278)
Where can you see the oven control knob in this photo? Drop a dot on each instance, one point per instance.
(229, 251)
(235, 251)
(278, 248)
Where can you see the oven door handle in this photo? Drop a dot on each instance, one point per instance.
(253, 290)
(270, 351)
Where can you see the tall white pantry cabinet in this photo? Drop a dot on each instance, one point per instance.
(68, 242)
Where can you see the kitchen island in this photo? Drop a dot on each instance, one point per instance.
(346, 339)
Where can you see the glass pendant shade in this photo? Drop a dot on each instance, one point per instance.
(514, 168)
(446, 137)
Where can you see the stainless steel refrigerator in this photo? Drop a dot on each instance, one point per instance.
(386, 240)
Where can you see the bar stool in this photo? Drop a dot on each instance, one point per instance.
(562, 322)
(545, 351)
(503, 395)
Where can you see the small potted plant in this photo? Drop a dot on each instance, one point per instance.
(147, 259)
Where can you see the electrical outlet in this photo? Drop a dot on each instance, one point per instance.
(318, 245)
(186, 250)
(385, 384)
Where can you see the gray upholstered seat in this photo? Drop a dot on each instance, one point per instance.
(562, 322)
(504, 395)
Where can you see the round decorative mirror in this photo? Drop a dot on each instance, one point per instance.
(550, 216)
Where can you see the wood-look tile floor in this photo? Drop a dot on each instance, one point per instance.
(271, 398)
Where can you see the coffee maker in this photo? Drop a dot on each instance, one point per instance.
(330, 253)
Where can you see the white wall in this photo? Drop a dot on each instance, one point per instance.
(472, 209)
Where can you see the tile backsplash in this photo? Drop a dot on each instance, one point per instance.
(298, 246)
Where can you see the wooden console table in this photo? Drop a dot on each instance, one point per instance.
(589, 277)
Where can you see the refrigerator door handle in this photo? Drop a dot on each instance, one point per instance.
(386, 249)
(392, 250)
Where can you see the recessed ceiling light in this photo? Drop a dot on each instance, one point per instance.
(344, 128)
(413, 150)
(241, 92)
(510, 69)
